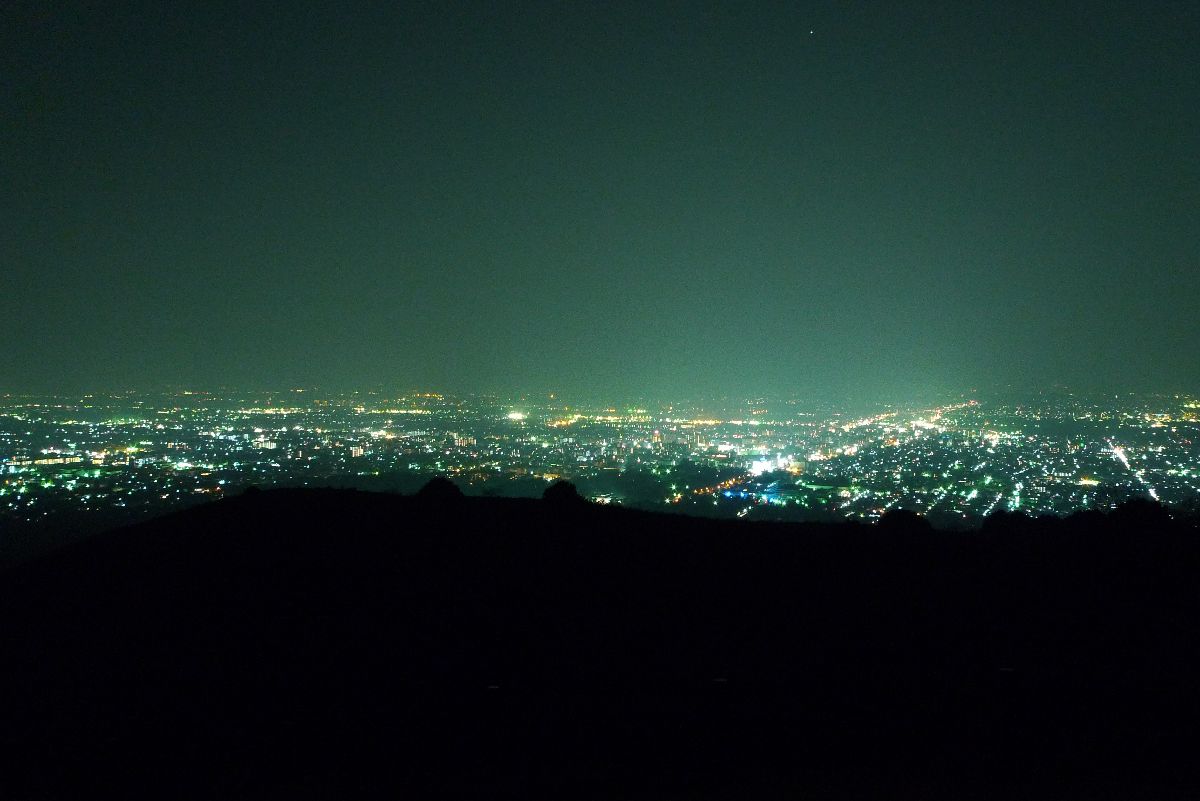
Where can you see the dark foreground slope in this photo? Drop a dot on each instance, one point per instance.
(309, 644)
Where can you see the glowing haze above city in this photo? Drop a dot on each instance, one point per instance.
(882, 202)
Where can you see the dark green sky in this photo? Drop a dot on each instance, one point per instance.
(676, 198)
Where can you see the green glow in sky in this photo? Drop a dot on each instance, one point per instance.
(602, 198)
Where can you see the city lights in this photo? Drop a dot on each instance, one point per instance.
(954, 462)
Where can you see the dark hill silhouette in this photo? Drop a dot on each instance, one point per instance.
(320, 643)
(562, 493)
(440, 490)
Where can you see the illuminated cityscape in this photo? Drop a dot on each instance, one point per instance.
(99, 460)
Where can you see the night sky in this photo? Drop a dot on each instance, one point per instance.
(823, 199)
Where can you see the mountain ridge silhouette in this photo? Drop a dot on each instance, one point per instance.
(321, 643)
